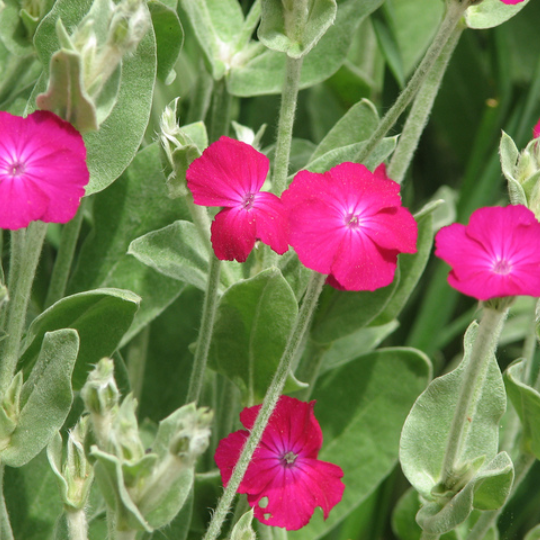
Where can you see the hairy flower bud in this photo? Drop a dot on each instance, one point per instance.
(100, 393)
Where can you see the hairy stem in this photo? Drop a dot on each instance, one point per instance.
(205, 334)
(272, 395)
(446, 29)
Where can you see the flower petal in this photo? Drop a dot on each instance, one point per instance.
(48, 155)
(271, 221)
(20, 203)
(290, 499)
(360, 265)
(226, 173)
(233, 234)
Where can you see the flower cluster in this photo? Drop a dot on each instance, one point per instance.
(43, 169)
(347, 223)
(285, 481)
(497, 254)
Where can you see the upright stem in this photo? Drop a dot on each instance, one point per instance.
(221, 111)
(21, 288)
(5, 526)
(272, 395)
(77, 525)
(421, 109)
(287, 111)
(205, 334)
(64, 258)
(136, 361)
(446, 29)
(484, 347)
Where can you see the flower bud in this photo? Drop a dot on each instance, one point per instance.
(193, 434)
(77, 470)
(100, 393)
(129, 23)
(10, 409)
(180, 146)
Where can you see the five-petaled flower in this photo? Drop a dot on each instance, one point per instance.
(230, 174)
(285, 481)
(497, 254)
(349, 223)
(43, 169)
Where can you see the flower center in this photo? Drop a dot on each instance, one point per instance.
(16, 169)
(247, 202)
(352, 221)
(288, 459)
(502, 267)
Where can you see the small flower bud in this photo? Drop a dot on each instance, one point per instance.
(129, 23)
(100, 393)
(10, 409)
(193, 434)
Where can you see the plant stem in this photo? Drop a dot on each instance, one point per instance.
(136, 361)
(421, 109)
(453, 15)
(77, 525)
(19, 293)
(5, 526)
(483, 348)
(221, 111)
(287, 111)
(126, 535)
(200, 96)
(272, 395)
(205, 334)
(308, 370)
(64, 258)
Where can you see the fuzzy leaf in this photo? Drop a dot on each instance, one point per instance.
(101, 317)
(491, 13)
(253, 322)
(278, 35)
(45, 399)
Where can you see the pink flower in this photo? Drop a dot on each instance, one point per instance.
(42, 169)
(230, 174)
(497, 254)
(349, 223)
(285, 481)
(511, 2)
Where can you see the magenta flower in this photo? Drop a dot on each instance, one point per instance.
(230, 174)
(43, 169)
(497, 254)
(511, 2)
(349, 223)
(285, 481)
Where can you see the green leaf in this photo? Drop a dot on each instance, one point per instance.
(509, 154)
(263, 70)
(277, 29)
(424, 441)
(176, 251)
(253, 322)
(101, 317)
(491, 13)
(32, 499)
(356, 125)
(243, 530)
(362, 341)
(487, 490)
(388, 45)
(135, 204)
(348, 153)
(411, 268)
(361, 408)
(46, 397)
(178, 528)
(217, 25)
(341, 313)
(526, 401)
(169, 36)
(13, 33)
(533, 534)
(414, 25)
(112, 148)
